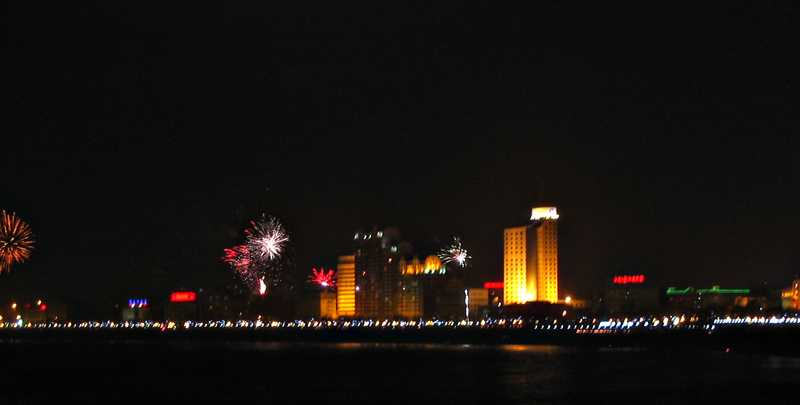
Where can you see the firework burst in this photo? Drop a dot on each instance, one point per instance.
(323, 278)
(258, 262)
(16, 241)
(267, 237)
(455, 253)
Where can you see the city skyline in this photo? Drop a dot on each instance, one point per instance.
(144, 140)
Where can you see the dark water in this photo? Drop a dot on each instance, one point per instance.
(256, 372)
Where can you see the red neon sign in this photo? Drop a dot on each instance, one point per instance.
(638, 279)
(182, 296)
(493, 285)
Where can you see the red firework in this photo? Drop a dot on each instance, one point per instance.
(324, 278)
(238, 257)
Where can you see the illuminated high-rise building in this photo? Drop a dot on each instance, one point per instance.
(346, 286)
(530, 259)
(377, 276)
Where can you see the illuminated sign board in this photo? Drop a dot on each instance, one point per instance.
(544, 213)
(182, 296)
(137, 303)
(715, 289)
(629, 279)
(493, 285)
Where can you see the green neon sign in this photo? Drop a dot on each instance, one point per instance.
(713, 290)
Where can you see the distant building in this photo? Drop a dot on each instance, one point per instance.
(451, 302)
(478, 303)
(530, 259)
(181, 307)
(228, 304)
(34, 313)
(790, 297)
(57, 312)
(628, 295)
(136, 311)
(327, 305)
(723, 300)
(319, 305)
(578, 304)
(495, 289)
(535, 309)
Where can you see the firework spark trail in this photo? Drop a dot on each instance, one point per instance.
(238, 257)
(454, 253)
(16, 241)
(323, 278)
(241, 261)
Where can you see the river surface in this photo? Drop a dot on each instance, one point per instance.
(262, 372)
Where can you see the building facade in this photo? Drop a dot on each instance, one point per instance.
(530, 259)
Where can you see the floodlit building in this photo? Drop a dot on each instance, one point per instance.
(346, 286)
(530, 259)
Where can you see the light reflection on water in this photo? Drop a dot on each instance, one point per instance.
(370, 372)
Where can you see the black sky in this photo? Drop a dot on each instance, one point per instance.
(145, 136)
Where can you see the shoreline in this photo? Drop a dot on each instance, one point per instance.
(754, 340)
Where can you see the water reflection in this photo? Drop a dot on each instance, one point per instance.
(380, 372)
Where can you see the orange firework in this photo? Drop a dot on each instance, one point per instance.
(16, 241)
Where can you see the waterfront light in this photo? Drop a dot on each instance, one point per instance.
(610, 325)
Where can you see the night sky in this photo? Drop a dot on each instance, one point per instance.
(144, 137)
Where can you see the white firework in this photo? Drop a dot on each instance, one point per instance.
(267, 238)
(454, 253)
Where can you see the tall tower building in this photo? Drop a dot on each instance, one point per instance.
(346, 288)
(530, 262)
(377, 276)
